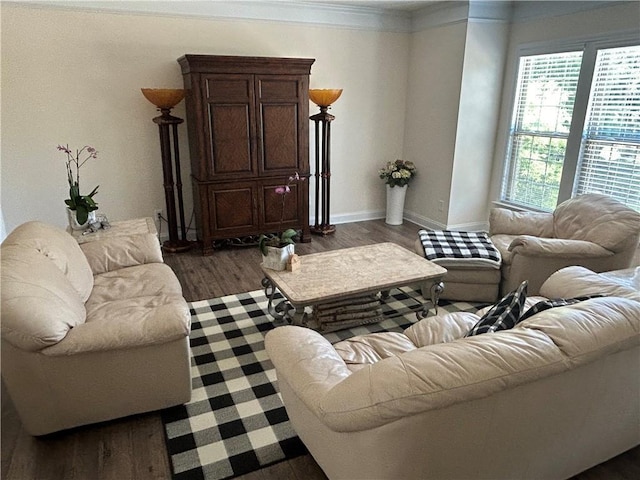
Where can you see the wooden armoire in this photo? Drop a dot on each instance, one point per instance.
(248, 124)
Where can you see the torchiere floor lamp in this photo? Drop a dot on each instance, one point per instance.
(323, 98)
(165, 99)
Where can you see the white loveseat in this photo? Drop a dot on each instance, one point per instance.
(551, 397)
(90, 333)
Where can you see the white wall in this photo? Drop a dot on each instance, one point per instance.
(455, 85)
(435, 79)
(75, 77)
(481, 91)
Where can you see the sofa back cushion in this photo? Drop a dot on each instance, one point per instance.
(599, 219)
(60, 249)
(509, 222)
(39, 304)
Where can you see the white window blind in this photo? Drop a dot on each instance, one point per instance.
(609, 162)
(540, 127)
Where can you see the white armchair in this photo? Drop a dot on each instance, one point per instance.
(593, 231)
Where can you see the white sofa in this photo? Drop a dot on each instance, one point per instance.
(551, 397)
(90, 333)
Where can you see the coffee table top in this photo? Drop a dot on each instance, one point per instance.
(337, 274)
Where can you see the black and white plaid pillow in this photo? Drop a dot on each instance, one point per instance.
(504, 314)
(543, 305)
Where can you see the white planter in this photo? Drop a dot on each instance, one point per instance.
(276, 258)
(73, 221)
(395, 204)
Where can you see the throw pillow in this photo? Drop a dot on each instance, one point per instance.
(504, 314)
(551, 303)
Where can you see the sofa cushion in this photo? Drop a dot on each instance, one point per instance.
(60, 249)
(130, 307)
(508, 222)
(368, 349)
(578, 281)
(596, 218)
(504, 314)
(589, 329)
(441, 328)
(122, 251)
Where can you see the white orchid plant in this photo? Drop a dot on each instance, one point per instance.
(81, 204)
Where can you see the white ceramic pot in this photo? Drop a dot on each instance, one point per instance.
(395, 204)
(277, 257)
(73, 221)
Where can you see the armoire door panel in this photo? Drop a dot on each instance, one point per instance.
(230, 139)
(232, 208)
(279, 137)
(229, 88)
(277, 88)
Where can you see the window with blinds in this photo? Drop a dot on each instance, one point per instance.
(610, 155)
(541, 121)
(575, 127)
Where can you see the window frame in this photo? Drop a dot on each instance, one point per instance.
(589, 47)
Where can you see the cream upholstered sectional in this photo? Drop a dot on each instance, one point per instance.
(91, 332)
(551, 397)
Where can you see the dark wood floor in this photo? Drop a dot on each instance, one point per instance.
(133, 448)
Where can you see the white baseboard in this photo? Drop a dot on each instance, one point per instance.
(353, 217)
(419, 220)
(433, 225)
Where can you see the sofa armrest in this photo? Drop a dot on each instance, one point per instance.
(114, 253)
(307, 361)
(556, 247)
(508, 222)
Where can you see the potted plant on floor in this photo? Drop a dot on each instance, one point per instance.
(80, 208)
(276, 249)
(397, 176)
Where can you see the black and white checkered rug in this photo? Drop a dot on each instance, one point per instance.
(235, 422)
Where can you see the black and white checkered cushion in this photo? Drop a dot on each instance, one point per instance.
(504, 314)
(452, 248)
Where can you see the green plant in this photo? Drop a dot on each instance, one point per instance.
(398, 173)
(81, 204)
(284, 238)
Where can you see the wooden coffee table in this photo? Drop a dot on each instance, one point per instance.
(342, 288)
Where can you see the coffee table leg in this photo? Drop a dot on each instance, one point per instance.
(436, 289)
(282, 312)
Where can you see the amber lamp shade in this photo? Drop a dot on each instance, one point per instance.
(324, 97)
(163, 98)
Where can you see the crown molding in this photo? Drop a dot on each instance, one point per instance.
(530, 11)
(288, 11)
(342, 14)
(453, 12)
